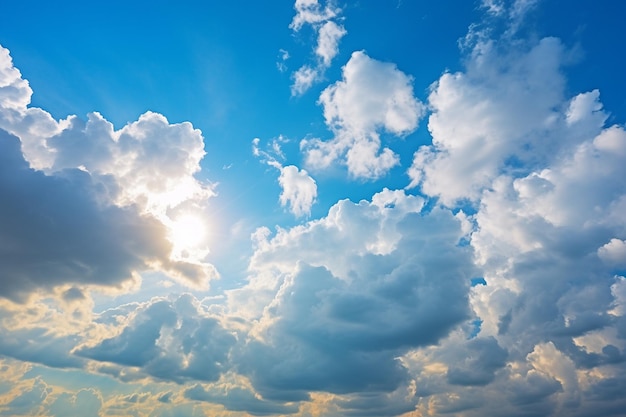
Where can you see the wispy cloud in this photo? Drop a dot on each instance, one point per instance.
(323, 20)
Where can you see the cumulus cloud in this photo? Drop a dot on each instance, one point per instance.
(56, 232)
(173, 340)
(90, 204)
(369, 310)
(303, 79)
(372, 97)
(353, 290)
(544, 174)
(498, 115)
(328, 32)
(310, 11)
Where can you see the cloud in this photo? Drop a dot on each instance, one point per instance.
(329, 33)
(483, 357)
(498, 115)
(29, 401)
(152, 161)
(84, 403)
(354, 290)
(311, 12)
(303, 79)
(239, 399)
(169, 340)
(543, 172)
(88, 204)
(55, 231)
(299, 189)
(328, 41)
(373, 96)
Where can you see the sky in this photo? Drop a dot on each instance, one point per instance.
(313, 208)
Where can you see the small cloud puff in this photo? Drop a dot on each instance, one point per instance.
(373, 96)
(299, 190)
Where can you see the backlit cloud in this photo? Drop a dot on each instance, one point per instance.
(90, 204)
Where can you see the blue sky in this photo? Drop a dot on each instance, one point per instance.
(313, 208)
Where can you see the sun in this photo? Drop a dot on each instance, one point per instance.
(187, 232)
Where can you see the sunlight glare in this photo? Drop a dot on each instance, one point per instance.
(187, 231)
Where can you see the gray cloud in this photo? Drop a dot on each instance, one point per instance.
(240, 399)
(55, 230)
(339, 321)
(169, 340)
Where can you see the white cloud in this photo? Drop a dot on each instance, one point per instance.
(329, 33)
(284, 56)
(328, 41)
(303, 79)
(311, 12)
(14, 91)
(545, 175)
(299, 190)
(373, 96)
(495, 7)
(614, 252)
(152, 162)
(497, 116)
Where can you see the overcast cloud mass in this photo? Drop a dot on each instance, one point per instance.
(369, 237)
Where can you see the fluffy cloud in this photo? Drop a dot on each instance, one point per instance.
(299, 190)
(170, 340)
(498, 115)
(544, 173)
(311, 12)
(152, 161)
(373, 96)
(303, 79)
(353, 291)
(87, 204)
